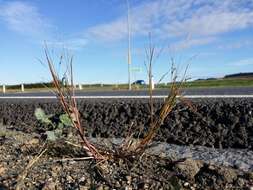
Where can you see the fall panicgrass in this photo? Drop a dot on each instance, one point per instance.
(130, 148)
(137, 147)
(65, 93)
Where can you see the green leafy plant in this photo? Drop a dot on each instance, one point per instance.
(64, 118)
(56, 133)
(42, 117)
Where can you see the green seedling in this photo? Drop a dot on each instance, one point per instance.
(65, 120)
(56, 133)
(42, 117)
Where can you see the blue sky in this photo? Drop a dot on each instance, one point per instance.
(214, 37)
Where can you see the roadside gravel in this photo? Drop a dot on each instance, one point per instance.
(218, 123)
(154, 170)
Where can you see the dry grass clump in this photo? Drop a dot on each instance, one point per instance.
(131, 149)
(137, 147)
(65, 93)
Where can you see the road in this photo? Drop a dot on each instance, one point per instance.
(190, 92)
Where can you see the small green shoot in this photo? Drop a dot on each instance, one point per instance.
(56, 133)
(42, 117)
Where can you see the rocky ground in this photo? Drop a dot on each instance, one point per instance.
(62, 167)
(219, 123)
(212, 139)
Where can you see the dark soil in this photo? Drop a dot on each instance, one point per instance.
(146, 172)
(215, 123)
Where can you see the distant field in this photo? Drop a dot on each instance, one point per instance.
(222, 82)
(225, 82)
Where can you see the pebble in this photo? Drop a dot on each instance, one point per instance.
(72, 162)
(118, 184)
(2, 170)
(83, 188)
(186, 184)
(129, 179)
(146, 186)
(69, 178)
(128, 188)
(82, 179)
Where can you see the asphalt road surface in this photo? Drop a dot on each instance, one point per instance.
(194, 92)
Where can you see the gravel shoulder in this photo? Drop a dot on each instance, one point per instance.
(218, 123)
(59, 167)
(213, 141)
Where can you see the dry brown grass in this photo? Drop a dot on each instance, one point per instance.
(66, 96)
(130, 148)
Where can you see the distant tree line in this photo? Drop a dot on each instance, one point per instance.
(239, 75)
(32, 85)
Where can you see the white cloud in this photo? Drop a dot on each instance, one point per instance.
(243, 62)
(71, 44)
(109, 32)
(236, 45)
(172, 19)
(184, 44)
(24, 18)
(210, 24)
(144, 18)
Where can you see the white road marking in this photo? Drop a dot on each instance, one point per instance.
(128, 97)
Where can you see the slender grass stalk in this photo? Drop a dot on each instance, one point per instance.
(167, 107)
(66, 96)
(169, 104)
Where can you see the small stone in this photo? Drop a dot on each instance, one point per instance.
(55, 170)
(186, 184)
(128, 188)
(146, 186)
(189, 168)
(163, 155)
(88, 181)
(33, 141)
(72, 162)
(211, 167)
(84, 188)
(82, 179)
(48, 186)
(69, 178)
(240, 182)
(2, 170)
(118, 184)
(241, 165)
(129, 179)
